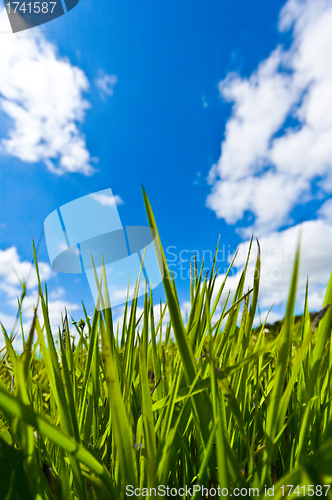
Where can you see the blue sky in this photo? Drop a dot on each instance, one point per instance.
(222, 110)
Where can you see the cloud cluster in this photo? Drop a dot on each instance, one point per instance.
(42, 94)
(12, 271)
(325, 211)
(105, 84)
(278, 141)
(278, 251)
(277, 155)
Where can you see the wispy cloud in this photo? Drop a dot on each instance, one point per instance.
(325, 211)
(42, 93)
(105, 200)
(278, 140)
(105, 84)
(197, 180)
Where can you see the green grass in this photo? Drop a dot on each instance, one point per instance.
(222, 405)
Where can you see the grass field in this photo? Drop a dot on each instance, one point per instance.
(221, 406)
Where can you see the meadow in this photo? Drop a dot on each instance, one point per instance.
(131, 413)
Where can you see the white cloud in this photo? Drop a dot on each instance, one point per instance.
(56, 311)
(57, 293)
(56, 308)
(8, 322)
(325, 211)
(119, 294)
(42, 93)
(118, 315)
(13, 269)
(205, 102)
(268, 317)
(197, 181)
(277, 259)
(266, 166)
(105, 83)
(105, 200)
(230, 199)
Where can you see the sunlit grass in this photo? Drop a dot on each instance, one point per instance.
(222, 405)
